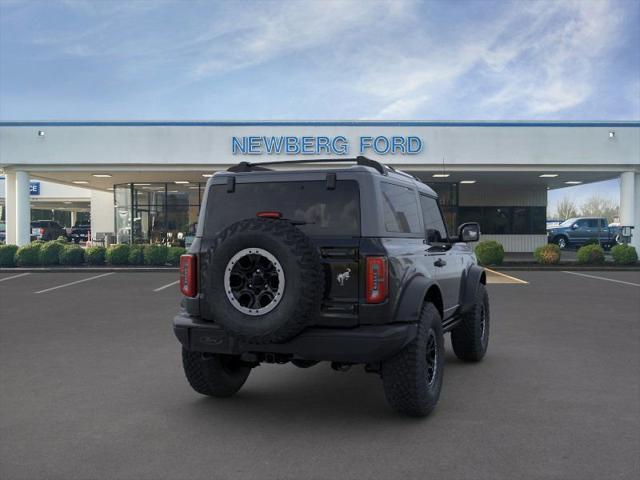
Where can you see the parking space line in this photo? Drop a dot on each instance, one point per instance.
(167, 286)
(513, 279)
(74, 283)
(603, 278)
(14, 276)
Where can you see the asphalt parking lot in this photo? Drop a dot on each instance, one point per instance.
(91, 387)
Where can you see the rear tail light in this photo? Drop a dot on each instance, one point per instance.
(377, 280)
(188, 275)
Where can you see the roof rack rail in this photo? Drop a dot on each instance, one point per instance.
(258, 167)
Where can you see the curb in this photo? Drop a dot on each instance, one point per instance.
(568, 268)
(88, 269)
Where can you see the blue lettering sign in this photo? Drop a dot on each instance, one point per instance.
(34, 188)
(310, 145)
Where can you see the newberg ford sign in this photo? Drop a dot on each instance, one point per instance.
(312, 145)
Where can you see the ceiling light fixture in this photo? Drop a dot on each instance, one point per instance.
(612, 134)
(549, 175)
(468, 181)
(141, 184)
(80, 182)
(440, 175)
(573, 182)
(181, 182)
(207, 175)
(101, 175)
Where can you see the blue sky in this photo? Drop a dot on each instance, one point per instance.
(483, 59)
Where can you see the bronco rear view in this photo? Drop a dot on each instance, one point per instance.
(350, 264)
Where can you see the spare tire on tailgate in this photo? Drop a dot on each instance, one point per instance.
(263, 280)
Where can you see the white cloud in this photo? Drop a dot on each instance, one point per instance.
(530, 59)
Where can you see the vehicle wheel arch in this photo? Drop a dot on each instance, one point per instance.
(415, 293)
(475, 276)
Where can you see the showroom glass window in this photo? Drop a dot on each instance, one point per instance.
(163, 213)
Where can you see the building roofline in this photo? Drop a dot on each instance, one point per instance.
(321, 123)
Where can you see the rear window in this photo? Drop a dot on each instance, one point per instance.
(322, 212)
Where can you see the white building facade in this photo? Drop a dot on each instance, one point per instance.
(147, 178)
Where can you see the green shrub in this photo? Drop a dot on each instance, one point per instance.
(118, 254)
(490, 252)
(547, 254)
(8, 255)
(95, 255)
(29, 255)
(72, 255)
(155, 254)
(623, 254)
(592, 241)
(590, 254)
(62, 239)
(173, 255)
(136, 255)
(50, 253)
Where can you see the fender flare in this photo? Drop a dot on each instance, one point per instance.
(475, 276)
(412, 299)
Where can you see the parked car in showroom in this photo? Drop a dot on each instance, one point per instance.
(80, 232)
(47, 230)
(347, 265)
(3, 232)
(579, 231)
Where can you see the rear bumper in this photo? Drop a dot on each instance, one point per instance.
(364, 344)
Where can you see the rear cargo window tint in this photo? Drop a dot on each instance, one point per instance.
(319, 210)
(400, 209)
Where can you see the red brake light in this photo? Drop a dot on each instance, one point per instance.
(377, 280)
(269, 214)
(188, 275)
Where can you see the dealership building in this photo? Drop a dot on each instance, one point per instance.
(146, 179)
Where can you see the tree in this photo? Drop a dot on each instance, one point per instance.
(597, 206)
(565, 209)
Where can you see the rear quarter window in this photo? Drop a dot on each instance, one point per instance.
(320, 211)
(400, 208)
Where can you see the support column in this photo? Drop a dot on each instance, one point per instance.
(73, 218)
(630, 204)
(10, 206)
(23, 209)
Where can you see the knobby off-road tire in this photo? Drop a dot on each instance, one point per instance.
(411, 383)
(304, 280)
(213, 374)
(470, 338)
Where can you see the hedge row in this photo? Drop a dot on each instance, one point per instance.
(490, 252)
(59, 252)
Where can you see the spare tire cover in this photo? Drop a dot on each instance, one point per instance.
(263, 280)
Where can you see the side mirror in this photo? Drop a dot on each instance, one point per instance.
(574, 226)
(469, 232)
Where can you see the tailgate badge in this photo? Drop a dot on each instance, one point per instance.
(343, 277)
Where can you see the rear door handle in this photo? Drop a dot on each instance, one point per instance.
(439, 263)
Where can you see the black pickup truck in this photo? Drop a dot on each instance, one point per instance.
(581, 230)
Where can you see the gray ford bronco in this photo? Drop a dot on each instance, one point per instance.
(350, 264)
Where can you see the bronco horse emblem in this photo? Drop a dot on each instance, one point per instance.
(343, 277)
